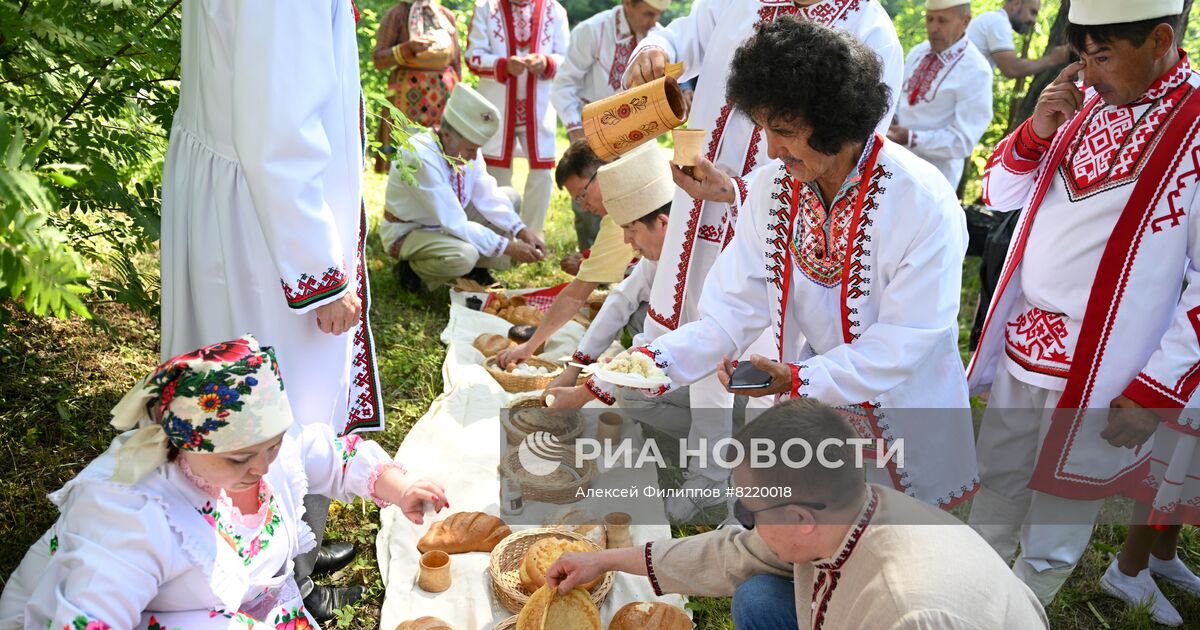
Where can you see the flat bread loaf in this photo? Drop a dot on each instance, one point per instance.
(424, 623)
(650, 616)
(547, 610)
(543, 553)
(464, 531)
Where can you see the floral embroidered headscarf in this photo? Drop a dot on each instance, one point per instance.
(221, 398)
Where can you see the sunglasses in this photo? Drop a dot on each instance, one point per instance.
(583, 193)
(747, 517)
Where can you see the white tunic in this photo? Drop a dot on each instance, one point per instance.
(991, 32)
(705, 41)
(438, 197)
(505, 28)
(594, 65)
(1089, 301)
(163, 551)
(863, 301)
(946, 104)
(262, 217)
(1170, 480)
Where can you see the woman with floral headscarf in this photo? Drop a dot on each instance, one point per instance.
(193, 515)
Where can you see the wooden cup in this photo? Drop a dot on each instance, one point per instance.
(689, 144)
(608, 428)
(616, 528)
(434, 576)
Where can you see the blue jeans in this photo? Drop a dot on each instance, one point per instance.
(765, 602)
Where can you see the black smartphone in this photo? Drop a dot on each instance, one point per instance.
(746, 376)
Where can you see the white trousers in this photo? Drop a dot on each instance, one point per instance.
(1053, 532)
(535, 201)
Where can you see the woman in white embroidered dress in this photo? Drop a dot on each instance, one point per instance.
(191, 519)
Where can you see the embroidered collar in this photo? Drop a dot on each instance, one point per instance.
(953, 51)
(853, 536)
(852, 178)
(623, 29)
(1173, 78)
(249, 520)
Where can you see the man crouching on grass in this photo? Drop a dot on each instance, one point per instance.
(836, 552)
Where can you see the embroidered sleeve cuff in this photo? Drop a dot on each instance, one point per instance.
(580, 357)
(551, 67)
(1155, 396)
(797, 383)
(1027, 145)
(650, 570)
(309, 290)
(375, 475)
(740, 191)
(662, 360)
(600, 390)
(501, 70)
(498, 250)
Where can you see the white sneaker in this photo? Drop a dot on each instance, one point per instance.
(1177, 573)
(1138, 591)
(681, 509)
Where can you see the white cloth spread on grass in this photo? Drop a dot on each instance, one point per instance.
(458, 442)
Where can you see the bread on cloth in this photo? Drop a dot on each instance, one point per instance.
(491, 344)
(543, 553)
(464, 531)
(424, 623)
(547, 610)
(650, 615)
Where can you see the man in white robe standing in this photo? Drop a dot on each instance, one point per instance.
(263, 227)
(592, 70)
(704, 41)
(849, 255)
(516, 47)
(1091, 328)
(946, 104)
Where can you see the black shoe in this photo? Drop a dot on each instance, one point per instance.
(323, 600)
(406, 277)
(332, 557)
(482, 276)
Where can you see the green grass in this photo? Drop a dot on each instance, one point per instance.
(58, 380)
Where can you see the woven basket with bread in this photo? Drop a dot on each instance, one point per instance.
(566, 425)
(560, 486)
(463, 532)
(515, 383)
(509, 556)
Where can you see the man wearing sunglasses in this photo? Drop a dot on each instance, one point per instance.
(834, 552)
(607, 262)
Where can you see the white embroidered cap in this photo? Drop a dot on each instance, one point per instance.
(938, 5)
(1095, 12)
(471, 115)
(661, 5)
(636, 183)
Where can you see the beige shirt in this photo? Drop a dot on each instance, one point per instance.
(610, 255)
(889, 573)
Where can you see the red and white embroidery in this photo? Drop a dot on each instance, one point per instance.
(309, 289)
(818, 255)
(933, 70)
(1040, 342)
(622, 49)
(828, 573)
(522, 11)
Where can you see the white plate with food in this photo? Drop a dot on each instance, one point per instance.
(632, 369)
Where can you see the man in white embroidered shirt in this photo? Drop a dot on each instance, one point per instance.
(442, 219)
(834, 553)
(592, 70)
(946, 104)
(1091, 335)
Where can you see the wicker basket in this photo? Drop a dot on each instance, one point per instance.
(514, 434)
(534, 488)
(506, 561)
(517, 383)
(507, 624)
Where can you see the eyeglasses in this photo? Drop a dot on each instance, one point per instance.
(583, 193)
(747, 517)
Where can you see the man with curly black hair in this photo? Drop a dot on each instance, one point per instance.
(849, 249)
(704, 42)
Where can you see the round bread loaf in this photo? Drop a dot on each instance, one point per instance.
(424, 623)
(547, 610)
(544, 553)
(650, 616)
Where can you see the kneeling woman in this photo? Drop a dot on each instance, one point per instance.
(192, 519)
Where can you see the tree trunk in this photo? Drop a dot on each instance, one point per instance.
(1058, 36)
